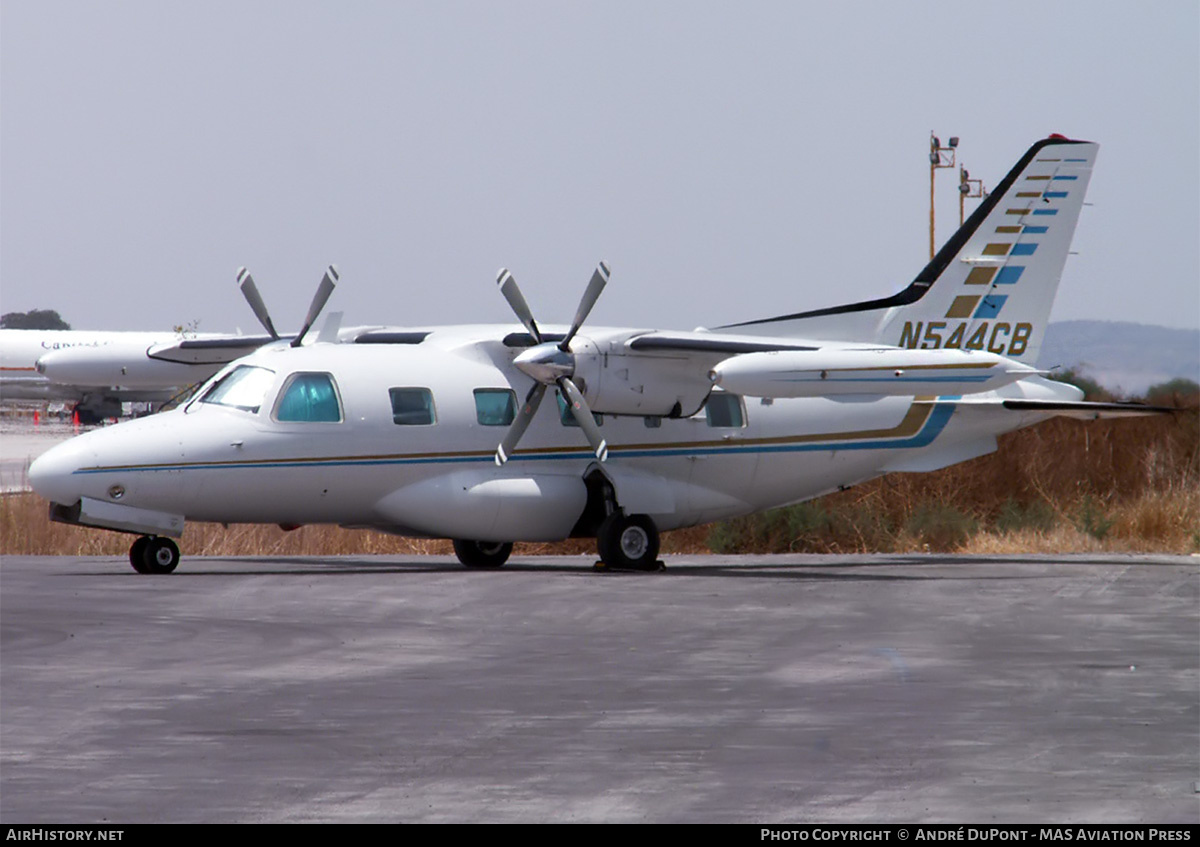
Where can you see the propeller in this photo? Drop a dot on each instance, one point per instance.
(324, 290)
(508, 287)
(250, 292)
(528, 409)
(548, 363)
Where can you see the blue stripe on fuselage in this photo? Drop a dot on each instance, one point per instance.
(933, 426)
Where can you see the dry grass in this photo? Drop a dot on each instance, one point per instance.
(1062, 486)
(26, 530)
(1060, 539)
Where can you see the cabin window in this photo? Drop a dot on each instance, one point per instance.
(495, 406)
(245, 387)
(309, 398)
(724, 410)
(568, 419)
(412, 406)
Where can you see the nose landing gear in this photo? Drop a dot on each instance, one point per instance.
(154, 554)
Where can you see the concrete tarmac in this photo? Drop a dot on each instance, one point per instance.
(21, 442)
(725, 689)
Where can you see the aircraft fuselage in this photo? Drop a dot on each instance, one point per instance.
(215, 462)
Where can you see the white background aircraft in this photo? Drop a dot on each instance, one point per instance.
(98, 371)
(446, 432)
(94, 398)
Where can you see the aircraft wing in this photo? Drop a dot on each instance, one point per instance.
(208, 351)
(693, 363)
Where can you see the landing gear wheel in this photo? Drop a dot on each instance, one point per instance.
(137, 554)
(88, 417)
(160, 555)
(482, 554)
(628, 542)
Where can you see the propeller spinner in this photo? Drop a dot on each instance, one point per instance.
(549, 363)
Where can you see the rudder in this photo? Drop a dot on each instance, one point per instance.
(992, 285)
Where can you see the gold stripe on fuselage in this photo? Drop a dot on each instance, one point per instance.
(916, 416)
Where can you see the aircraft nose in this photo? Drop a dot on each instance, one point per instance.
(52, 474)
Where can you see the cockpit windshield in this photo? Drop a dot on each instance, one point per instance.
(245, 387)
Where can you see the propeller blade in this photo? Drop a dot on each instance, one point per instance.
(250, 292)
(583, 416)
(528, 409)
(590, 295)
(508, 287)
(318, 303)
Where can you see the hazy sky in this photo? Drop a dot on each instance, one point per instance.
(729, 160)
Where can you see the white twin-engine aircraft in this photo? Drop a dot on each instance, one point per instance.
(443, 432)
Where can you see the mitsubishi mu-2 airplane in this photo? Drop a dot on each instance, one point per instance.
(489, 435)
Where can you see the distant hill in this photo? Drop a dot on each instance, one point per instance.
(1122, 356)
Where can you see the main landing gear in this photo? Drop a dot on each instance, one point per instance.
(625, 542)
(628, 542)
(154, 554)
(482, 554)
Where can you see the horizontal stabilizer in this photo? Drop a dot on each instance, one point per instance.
(1086, 411)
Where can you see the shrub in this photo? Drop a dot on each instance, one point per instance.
(1091, 519)
(1015, 517)
(940, 527)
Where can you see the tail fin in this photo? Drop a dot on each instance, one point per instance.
(992, 285)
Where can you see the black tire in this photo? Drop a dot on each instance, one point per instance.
(628, 542)
(137, 554)
(482, 554)
(160, 555)
(88, 417)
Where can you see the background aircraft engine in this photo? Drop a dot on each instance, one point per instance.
(98, 366)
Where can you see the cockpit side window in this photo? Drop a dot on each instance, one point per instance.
(309, 398)
(245, 387)
(495, 406)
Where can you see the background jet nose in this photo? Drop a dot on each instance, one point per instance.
(52, 474)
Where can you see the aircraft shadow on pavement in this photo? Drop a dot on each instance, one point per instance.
(845, 569)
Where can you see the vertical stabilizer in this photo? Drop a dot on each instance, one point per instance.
(992, 285)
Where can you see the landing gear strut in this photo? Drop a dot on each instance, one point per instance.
(628, 542)
(154, 554)
(482, 554)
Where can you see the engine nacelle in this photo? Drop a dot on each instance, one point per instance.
(617, 381)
